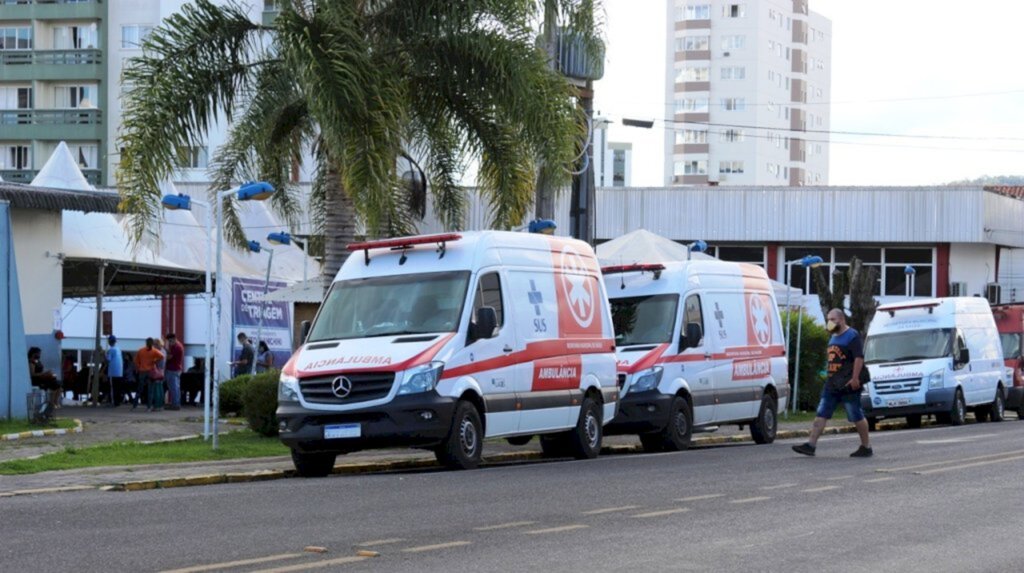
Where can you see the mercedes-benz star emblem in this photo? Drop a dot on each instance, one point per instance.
(341, 387)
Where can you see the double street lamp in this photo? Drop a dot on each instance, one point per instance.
(251, 191)
(808, 262)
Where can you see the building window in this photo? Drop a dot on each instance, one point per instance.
(76, 37)
(15, 98)
(691, 105)
(619, 168)
(730, 167)
(693, 43)
(16, 38)
(693, 74)
(133, 36)
(732, 136)
(192, 158)
(694, 12)
(737, 42)
(15, 157)
(690, 167)
(734, 104)
(86, 154)
(734, 73)
(751, 255)
(734, 11)
(688, 136)
(75, 97)
(890, 263)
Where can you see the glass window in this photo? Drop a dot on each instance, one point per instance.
(644, 319)
(133, 36)
(693, 74)
(732, 135)
(734, 104)
(865, 254)
(910, 345)
(910, 256)
(488, 293)
(734, 73)
(692, 105)
(697, 12)
(693, 43)
(1011, 345)
(737, 42)
(619, 168)
(193, 158)
(87, 155)
(734, 11)
(692, 314)
(730, 167)
(753, 255)
(691, 136)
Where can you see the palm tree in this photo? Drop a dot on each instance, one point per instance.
(363, 83)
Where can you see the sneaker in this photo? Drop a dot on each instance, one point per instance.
(863, 452)
(805, 449)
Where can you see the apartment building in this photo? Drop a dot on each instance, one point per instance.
(748, 92)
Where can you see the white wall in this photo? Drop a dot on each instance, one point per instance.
(37, 233)
(974, 264)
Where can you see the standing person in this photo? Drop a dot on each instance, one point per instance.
(145, 361)
(246, 357)
(265, 361)
(844, 384)
(175, 364)
(115, 371)
(156, 378)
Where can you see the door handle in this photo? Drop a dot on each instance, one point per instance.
(707, 356)
(507, 349)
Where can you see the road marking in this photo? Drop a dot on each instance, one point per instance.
(435, 547)
(508, 525)
(610, 510)
(970, 465)
(878, 480)
(313, 565)
(661, 513)
(838, 478)
(956, 440)
(228, 564)
(700, 497)
(779, 486)
(556, 529)
(820, 489)
(376, 542)
(945, 462)
(749, 499)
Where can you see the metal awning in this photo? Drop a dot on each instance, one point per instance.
(121, 278)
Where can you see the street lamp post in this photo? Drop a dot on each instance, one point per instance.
(808, 262)
(911, 273)
(255, 247)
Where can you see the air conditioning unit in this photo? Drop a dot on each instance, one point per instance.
(726, 54)
(994, 293)
(958, 289)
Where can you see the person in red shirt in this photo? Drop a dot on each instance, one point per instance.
(172, 373)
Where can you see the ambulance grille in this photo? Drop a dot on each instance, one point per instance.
(366, 386)
(897, 386)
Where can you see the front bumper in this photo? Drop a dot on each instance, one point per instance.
(395, 424)
(641, 412)
(1015, 398)
(935, 402)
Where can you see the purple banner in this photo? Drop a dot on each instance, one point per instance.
(246, 305)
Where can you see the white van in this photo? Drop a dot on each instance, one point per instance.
(935, 356)
(441, 341)
(699, 343)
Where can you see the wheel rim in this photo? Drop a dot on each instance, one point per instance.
(682, 424)
(593, 430)
(960, 413)
(769, 420)
(1000, 407)
(467, 436)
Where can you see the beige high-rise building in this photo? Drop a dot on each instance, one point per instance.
(748, 92)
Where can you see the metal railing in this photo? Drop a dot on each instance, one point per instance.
(55, 2)
(51, 57)
(51, 116)
(93, 176)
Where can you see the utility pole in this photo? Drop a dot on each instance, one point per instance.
(583, 225)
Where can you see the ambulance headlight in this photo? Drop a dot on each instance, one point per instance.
(935, 379)
(288, 389)
(646, 379)
(421, 379)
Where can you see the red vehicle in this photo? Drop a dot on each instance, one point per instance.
(1010, 322)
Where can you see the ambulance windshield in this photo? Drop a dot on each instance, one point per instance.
(909, 345)
(644, 319)
(392, 305)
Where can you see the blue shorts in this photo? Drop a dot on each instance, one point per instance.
(851, 401)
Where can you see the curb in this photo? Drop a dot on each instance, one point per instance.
(42, 433)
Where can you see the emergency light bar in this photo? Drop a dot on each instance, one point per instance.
(403, 243)
(634, 268)
(929, 305)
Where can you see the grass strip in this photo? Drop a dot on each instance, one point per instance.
(17, 426)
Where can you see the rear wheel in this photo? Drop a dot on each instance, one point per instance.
(462, 448)
(914, 421)
(997, 411)
(584, 441)
(764, 426)
(958, 413)
(314, 464)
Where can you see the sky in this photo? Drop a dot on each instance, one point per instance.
(949, 63)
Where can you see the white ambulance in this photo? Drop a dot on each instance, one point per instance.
(935, 356)
(699, 343)
(441, 341)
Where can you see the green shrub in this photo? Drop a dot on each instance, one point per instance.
(813, 359)
(259, 403)
(231, 394)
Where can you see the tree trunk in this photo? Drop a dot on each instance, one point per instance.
(544, 199)
(339, 226)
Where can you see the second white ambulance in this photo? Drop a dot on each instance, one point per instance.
(699, 343)
(441, 341)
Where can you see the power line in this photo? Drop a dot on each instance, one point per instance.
(908, 99)
(842, 132)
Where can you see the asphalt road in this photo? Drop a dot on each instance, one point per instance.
(936, 499)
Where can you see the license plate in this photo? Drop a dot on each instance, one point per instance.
(342, 431)
(898, 403)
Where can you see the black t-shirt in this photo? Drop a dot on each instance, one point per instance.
(843, 349)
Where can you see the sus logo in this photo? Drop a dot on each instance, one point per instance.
(757, 314)
(578, 287)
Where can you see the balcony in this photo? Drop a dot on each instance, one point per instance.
(26, 176)
(271, 8)
(23, 65)
(55, 10)
(52, 124)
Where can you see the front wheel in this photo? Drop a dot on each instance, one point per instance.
(463, 447)
(584, 441)
(958, 413)
(764, 426)
(313, 465)
(997, 412)
(677, 434)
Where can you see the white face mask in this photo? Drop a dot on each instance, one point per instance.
(832, 326)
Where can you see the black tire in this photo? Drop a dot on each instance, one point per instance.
(1020, 413)
(872, 424)
(652, 442)
(764, 427)
(554, 446)
(958, 412)
(997, 411)
(584, 441)
(519, 440)
(914, 421)
(678, 432)
(313, 465)
(463, 447)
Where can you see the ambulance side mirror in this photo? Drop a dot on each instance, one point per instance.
(691, 336)
(485, 324)
(306, 326)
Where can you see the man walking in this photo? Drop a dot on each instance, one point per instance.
(845, 365)
(115, 371)
(172, 373)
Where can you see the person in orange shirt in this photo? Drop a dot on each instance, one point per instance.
(145, 360)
